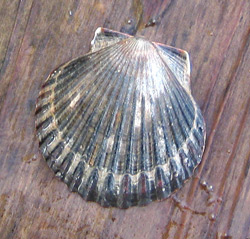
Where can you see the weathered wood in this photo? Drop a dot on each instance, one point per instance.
(37, 36)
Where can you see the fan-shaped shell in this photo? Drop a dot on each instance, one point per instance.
(119, 125)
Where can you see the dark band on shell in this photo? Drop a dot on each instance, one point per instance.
(119, 125)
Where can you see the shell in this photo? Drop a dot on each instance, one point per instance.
(119, 125)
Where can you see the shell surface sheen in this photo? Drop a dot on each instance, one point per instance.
(119, 125)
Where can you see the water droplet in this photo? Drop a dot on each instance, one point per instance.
(53, 73)
(185, 160)
(224, 236)
(219, 200)
(151, 22)
(59, 174)
(204, 183)
(210, 188)
(176, 174)
(70, 13)
(212, 217)
(129, 21)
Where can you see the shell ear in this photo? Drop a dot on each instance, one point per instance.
(105, 37)
(177, 61)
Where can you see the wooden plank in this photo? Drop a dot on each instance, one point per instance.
(37, 36)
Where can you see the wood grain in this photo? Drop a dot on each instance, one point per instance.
(37, 36)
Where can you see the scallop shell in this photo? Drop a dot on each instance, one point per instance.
(119, 125)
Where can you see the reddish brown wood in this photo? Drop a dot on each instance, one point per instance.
(37, 36)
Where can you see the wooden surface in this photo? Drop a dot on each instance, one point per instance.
(37, 36)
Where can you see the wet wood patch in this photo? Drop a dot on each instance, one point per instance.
(38, 36)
